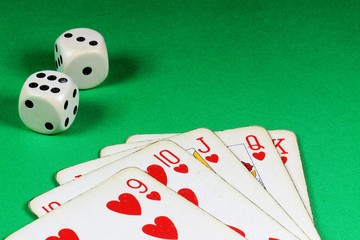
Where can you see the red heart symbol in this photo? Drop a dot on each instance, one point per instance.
(127, 204)
(154, 196)
(214, 158)
(259, 156)
(158, 173)
(237, 230)
(164, 228)
(65, 234)
(182, 168)
(189, 195)
(284, 159)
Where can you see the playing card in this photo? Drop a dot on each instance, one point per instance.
(287, 146)
(284, 141)
(129, 205)
(177, 169)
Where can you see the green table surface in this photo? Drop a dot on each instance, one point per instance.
(180, 65)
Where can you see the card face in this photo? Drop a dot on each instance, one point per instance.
(129, 205)
(178, 170)
(286, 144)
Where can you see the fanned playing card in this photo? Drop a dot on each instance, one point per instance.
(177, 169)
(129, 205)
(286, 144)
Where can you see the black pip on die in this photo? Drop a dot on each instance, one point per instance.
(48, 102)
(81, 53)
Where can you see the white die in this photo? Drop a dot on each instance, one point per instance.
(48, 102)
(81, 53)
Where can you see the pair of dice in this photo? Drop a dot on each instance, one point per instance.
(49, 99)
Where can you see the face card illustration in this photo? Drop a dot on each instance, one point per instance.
(286, 144)
(129, 205)
(177, 169)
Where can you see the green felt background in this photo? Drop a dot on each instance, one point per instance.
(179, 65)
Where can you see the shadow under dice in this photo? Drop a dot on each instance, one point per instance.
(48, 102)
(81, 53)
